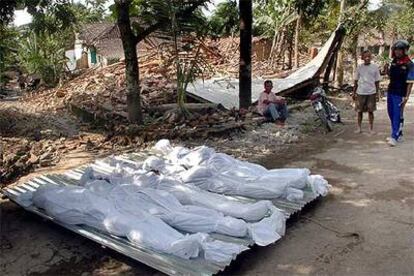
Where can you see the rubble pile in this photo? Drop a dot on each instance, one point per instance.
(19, 121)
(89, 112)
(102, 91)
(263, 67)
(20, 156)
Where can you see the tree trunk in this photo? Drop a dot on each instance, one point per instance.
(297, 33)
(279, 46)
(329, 67)
(245, 69)
(340, 60)
(274, 42)
(382, 44)
(131, 62)
(290, 55)
(356, 53)
(394, 39)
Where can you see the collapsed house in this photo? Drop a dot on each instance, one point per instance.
(225, 91)
(97, 44)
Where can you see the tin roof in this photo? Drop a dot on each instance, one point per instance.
(166, 263)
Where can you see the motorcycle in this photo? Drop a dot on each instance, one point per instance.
(327, 112)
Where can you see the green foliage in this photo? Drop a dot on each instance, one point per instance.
(61, 9)
(401, 19)
(272, 15)
(43, 54)
(310, 8)
(7, 8)
(89, 12)
(225, 19)
(53, 18)
(66, 17)
(187, 57)
(42, 49)
(355, 19)
(8, 55)
(321, 27)
(394, 17)
(383, 59)
(146, 13)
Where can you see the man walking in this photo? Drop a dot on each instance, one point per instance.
(401, 73)
(366, 90)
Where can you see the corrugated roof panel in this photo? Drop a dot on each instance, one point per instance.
(163, 262)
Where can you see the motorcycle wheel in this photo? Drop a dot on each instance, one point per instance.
(324, 119)
(331, 109)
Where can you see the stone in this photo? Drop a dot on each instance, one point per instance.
(34, 159)
(60, 94)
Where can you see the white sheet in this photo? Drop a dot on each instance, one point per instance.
(224, 174)
(78, 205)
(159, 197)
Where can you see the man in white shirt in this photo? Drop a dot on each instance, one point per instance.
(366, 90)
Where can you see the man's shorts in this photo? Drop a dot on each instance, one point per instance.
(366, 103)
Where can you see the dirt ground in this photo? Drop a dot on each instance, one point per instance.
(364, 227)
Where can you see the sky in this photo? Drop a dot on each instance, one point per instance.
(21, 17)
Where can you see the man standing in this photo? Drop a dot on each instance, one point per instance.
(401, 73)
(271, 106)
(366, 90)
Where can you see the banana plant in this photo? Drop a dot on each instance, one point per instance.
(43, 54)
(189, 66)
(272, 17)
(184, 36)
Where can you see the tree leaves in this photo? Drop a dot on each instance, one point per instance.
(43, 54)
(225, 19)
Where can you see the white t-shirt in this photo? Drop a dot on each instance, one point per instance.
(367, 75)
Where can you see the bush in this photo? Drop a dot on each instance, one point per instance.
(44, 55)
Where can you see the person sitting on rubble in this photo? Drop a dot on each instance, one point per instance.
(271, 106)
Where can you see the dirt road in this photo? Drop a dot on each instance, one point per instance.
(364, 227)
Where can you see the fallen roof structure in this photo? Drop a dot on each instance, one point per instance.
(226, 91)
(168, 264)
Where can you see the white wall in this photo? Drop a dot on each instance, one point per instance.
(71, 63)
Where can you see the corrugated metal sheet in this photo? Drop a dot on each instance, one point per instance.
(165, 263)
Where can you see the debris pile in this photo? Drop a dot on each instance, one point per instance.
(101, 91)
(263, 66)
(89, 112)
(22, 156)
(19, 156)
